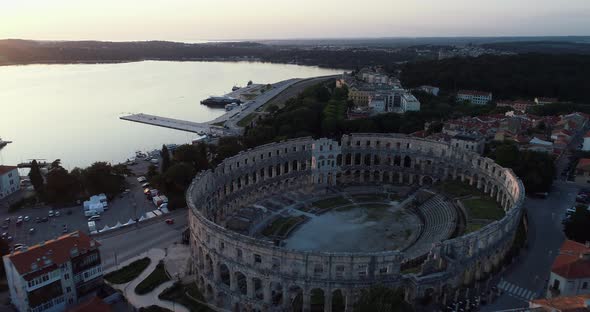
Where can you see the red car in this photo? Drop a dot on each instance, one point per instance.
(170, 221)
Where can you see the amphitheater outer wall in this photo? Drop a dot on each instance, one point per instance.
(253, 274)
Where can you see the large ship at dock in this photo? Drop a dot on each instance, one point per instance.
(219, 101)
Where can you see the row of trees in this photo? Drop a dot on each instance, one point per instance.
(535, 169)
(61, 186)
(508, 77)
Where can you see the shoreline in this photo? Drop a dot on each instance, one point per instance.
(223, 60)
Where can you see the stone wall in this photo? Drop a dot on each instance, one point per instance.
(239, 271)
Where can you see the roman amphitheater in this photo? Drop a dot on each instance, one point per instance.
(307, 224)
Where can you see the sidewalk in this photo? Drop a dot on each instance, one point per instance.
(139, 301)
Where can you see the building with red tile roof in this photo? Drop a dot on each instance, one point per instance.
(570, 272)
(53, 275)
(579, 303)
(583, 171)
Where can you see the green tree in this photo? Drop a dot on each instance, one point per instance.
(507, 155)
(576, 227)
(152, 172)
(382, 299)
(36, 177)
(100, 177)
(165, 158)
(61, 186)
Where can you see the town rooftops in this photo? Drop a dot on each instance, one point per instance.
(474, 93)
(563, 304)
(37, 258)
(6, 169)
(467, 137)
(573, 260)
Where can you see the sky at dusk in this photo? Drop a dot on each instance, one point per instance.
(184, 20)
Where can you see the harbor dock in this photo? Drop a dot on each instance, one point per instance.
(177, 124)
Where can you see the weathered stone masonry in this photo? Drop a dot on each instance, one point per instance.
(245, 273)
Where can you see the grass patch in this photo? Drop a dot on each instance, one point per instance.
(472, 227)
(155, 279)
(281, 226)
(247, 120)
(413, 270)
(22, 203)
(376, 211)
(219, 124)
(129, 272)
(370, 197)
(458, 189)
(331, 202)
(483, 208)
(177, 293)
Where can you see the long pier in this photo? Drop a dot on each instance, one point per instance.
(177, 124)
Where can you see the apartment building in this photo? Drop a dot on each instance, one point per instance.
(54, 275)
(9, 180)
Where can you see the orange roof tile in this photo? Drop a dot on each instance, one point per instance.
(583, 163)
(57, 251)
(570, 262)
(564, 304)
(6, 169)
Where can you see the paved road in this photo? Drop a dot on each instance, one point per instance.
(128, 244)
(527, 278)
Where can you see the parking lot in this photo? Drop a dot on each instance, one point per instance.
(130, 205)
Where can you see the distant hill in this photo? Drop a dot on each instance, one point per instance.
(553, 47)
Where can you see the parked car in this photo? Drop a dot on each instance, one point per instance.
(57, 214)
(44, 219)
(31, 230)
(141, 179)
(7, 220)
(27, 218)
(94, 218)
(169, 221)
(145, 185)
(65, 229)
(38, 220)
(50, 213)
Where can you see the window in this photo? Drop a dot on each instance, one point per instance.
(585, 285)
(257, 258)
(222, 245)
(66, 276)
(68, 289)
(383, 270)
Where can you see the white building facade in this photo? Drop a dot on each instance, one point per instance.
(586, 145)
(474, 97)
(9, 180)
(54, 275)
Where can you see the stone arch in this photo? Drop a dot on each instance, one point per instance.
(376, 160)
(241, 283)
(317, 300)
(277, 293)
(224, 274)
(296, 298)
(257, 288)
(338, 301)
(407, 162)
(397, 161)
(208, 264)
(367, 160)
